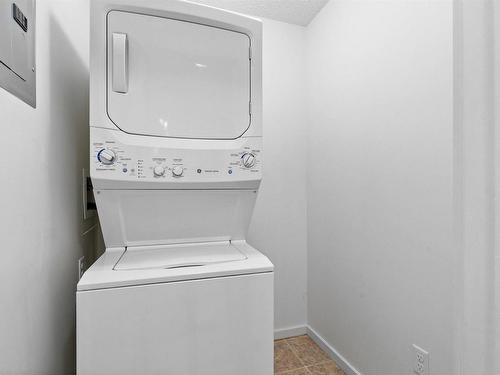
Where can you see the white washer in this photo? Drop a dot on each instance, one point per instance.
(137, 316)
(176, 163)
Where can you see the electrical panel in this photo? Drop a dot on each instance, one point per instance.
(17, 49)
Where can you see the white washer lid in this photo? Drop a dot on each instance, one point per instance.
(178, 255)
(103, 275)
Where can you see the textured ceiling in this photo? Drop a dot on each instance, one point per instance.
(299, 12)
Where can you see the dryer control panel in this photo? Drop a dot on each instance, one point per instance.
(118, 156)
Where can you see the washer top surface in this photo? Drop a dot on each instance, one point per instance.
(122, 267)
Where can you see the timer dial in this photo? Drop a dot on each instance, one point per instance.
(248, 160)
(106, 156)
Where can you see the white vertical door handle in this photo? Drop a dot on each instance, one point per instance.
(119, 78)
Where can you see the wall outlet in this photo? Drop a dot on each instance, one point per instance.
(81, 267)
(420, 361)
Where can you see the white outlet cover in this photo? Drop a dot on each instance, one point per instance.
(420, 361)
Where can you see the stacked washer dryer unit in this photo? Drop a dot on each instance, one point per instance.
(176, 162)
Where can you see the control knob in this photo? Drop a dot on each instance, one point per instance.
(106, 156)
(177, 171)
(159, 171)
(248, 160)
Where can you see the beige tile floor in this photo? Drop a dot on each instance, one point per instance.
(301, 356)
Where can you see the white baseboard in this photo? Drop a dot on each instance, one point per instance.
(284, 333)
(334, 354)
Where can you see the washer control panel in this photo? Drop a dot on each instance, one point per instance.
(116, 161)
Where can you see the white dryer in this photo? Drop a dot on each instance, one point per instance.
(176, 163)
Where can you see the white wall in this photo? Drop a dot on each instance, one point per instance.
(42, 152)
(382, 262)
(477, 160)
(278, 226)
(496, 103)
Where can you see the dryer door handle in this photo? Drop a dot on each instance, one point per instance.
(119, 78)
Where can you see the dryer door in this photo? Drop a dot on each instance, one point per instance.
(174, 78)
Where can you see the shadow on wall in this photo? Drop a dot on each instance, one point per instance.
(67, 144)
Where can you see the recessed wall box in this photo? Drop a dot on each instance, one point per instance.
(17, 49)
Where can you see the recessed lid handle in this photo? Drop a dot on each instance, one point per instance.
(120, 63)
(176, 256)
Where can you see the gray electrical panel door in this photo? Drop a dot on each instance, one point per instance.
(17, 49)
